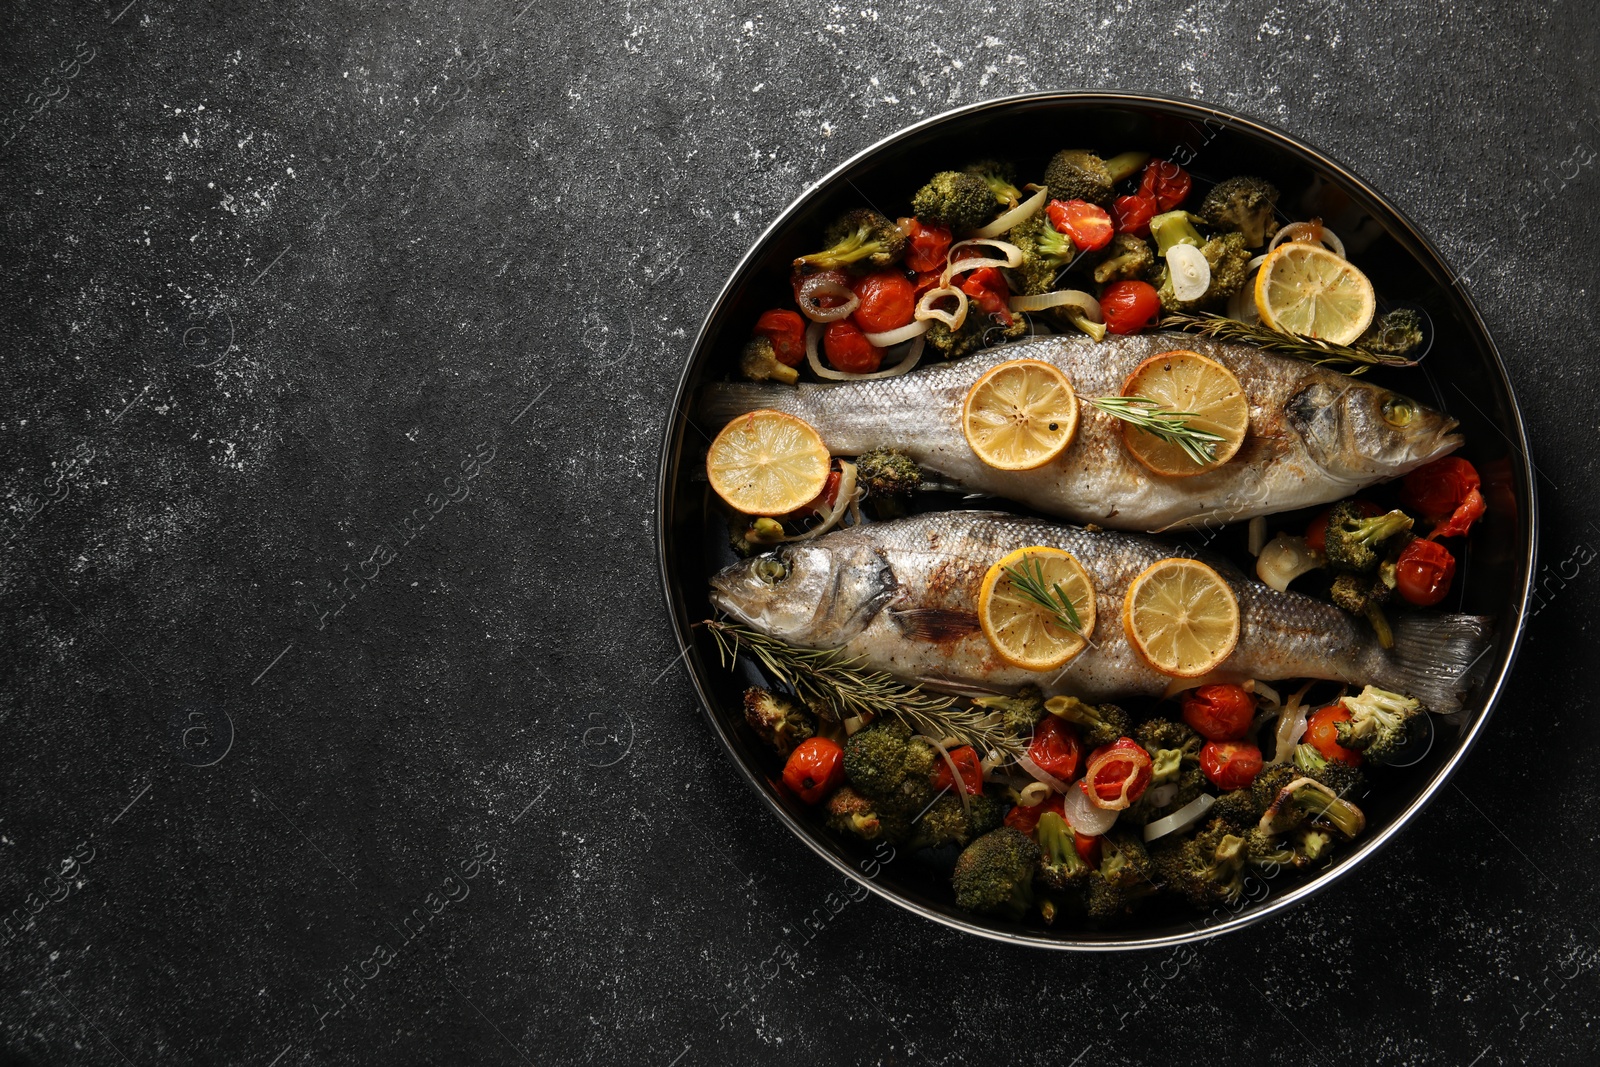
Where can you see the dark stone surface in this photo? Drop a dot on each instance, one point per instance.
(273, 273)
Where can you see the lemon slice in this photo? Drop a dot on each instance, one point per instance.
(1020, 415)
(1181, 380)
(1181, 617)
(767, 463)
(1306, 289)
(1023, 632)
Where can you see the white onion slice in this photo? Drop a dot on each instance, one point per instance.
(1181, 819)
(890, 338)
(1270, 693)
(841, 503)
(1162, 795)
(1084, 817)
(953, 319)
(1076, 298)
(820, 285)
(1039, 774)
(1189, 270)
(1019, 214)
(1297, 231)
(956, 781)
(1012, 254)
(1033, 794)
(1291, 727)
(912, 357)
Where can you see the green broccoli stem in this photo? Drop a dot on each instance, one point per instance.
(1380, 527)
(1318, 805)
(1126, 164)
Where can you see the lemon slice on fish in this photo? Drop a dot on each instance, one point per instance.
(1306, 289)
(1023, 630)
(768, 463)
(1020, 415)
(1181, 617)
(1204, 395)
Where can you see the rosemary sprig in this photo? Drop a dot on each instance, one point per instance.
(1170, 426)
(1222, 328)
(1028, 579)
(828, 679)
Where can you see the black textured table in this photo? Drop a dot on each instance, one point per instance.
(341, 721)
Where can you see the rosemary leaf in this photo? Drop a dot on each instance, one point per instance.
(1222, 328)
(1028, 579)
(1170, 426)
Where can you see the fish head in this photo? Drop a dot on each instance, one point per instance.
(1359, 432)
(808, 593)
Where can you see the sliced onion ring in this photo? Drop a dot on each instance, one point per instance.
(952, 319)
(912, 358)
(1181, 819)
(1084, 817)
(1076, 298)
(841, 503)
(890, 338)
(1041, 775)
(1019, 214)
(1033, 794)
(1296, 231)
(1012, 254)
(808, 293)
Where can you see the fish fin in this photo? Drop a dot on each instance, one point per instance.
(934, 624)
(955, 687)
(723, 401)
(1433, 658)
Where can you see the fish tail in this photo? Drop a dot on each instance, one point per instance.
(726, 400)
(1433, 658)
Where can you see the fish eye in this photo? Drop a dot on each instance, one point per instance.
(771, 570)
(1398, 411)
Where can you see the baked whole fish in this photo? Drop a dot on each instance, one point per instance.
(1315, 435)
(903, 597)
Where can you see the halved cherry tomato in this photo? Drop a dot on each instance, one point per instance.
(1055, 748)
(1167, 182)
(1424, 571)
(967, 762)
(1026, 819)
(1317, 532)
(815, 769)
(1322, 733)
(848, 349)
(1129, 306)
(888, 301)
(787, 332)
(1134, 214)
(1437, 489)
(1219, 712)
(988, 289)
(927, 246)
(1230, 764)
(1087, 224)
(925, 280)
(1123, 763)
(823, 501)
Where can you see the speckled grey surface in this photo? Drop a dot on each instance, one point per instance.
(287, 283)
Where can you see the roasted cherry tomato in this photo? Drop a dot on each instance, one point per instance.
(1055, 748)
(925, 280)
(848, 349)
(926, 246)
(1230, 764)
(888, 301)
(967, 762)
(815, 769)
(787, 332)
(987, 288)
(1167, 182)
(823, 501)
(1447, 494)
(1129, 306)
(1087, 848)
(1117, 774)
(1134, 214)
(1087, 224)
(1317, 532)
(1322, 733)
(1026, 819)
(1219, 712)
(1424, 571)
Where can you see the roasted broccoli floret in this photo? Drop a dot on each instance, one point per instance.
(1158, 734)
(1266, 850)
(1207, 868)
(759, 363)
(881, 757)
(1126, 876)
(861, 238)
(1046, 252)
(1001, 178)
(851, 813)
(1399, 333)
(1305, 799)
(1174, 759)
(1312, 845)
(887, 472)
(1355, 543)
(777, 720)
(1019, 713)
(945, 823)
(1078, 174)
(1060, 866)
(1228, 259)
(1240, 809)
(959, 200)
(1337, 775)
(1379, 722)
(1355, 592)
(979, 331)
(1244, 205)
(995, 873)
(1126, 258)
(1098, 724)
